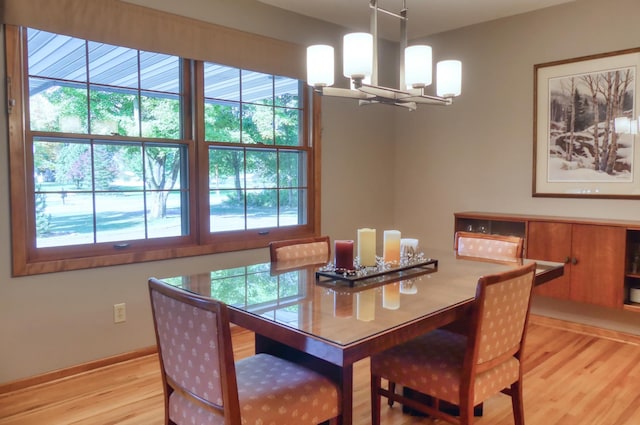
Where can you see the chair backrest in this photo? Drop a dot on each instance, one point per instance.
(316, 249)
(195, 349)
(482, 246)
(500, 316)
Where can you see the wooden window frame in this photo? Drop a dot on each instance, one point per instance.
(29, 260)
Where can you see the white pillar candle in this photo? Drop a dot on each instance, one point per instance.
(367, 247)
(408, 247)
(391, 247)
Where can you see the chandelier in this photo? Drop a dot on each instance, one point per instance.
(360, 65)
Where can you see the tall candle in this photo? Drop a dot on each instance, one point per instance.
(367, 247)
(391, 247)
(343, 254)
(391, 296)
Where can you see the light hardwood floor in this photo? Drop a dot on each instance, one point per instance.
(572, 377)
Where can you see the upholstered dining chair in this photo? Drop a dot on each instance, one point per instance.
(488, 247)
(464, 370)
(203, 384)
(303, 250)
(481, 247)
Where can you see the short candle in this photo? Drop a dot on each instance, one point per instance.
(408, 247)
(343, 254)
(391, 247)
(367, 247)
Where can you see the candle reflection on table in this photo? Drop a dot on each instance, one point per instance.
(343, 304)
(391, 296)
(366, 305)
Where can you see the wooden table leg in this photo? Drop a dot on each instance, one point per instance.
(347, 394)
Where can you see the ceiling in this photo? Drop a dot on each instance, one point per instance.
(425, 17)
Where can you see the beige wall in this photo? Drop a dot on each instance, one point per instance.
(477, 154)
(381, 167)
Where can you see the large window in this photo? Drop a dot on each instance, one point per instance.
(129, 155)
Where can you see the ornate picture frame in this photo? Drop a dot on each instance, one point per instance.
(585, 127)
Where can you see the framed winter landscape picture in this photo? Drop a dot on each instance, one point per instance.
(586, 125)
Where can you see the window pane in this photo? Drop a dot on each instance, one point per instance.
(63, 218)
(56, 56)
(262, 208)
(113, 65)
(227, 210)
(56, 106)
(292, 207)
(171, 223)
(163, 166)
(257, 88)
(222, 121)
(114, 113)
(159, 72)
(257, 124)
(161, 116)
(221, 82)
(226, 168)
(65, 166)
(292, 169)
(287, 91)
(288, 131)
(119, 216)
(261, 168)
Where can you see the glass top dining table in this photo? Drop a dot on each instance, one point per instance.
(329, 324)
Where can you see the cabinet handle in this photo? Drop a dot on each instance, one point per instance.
(574, 261)
(567, 260)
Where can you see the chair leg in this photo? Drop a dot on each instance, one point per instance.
(392, 389)
(466, 411)
(376, 383)
(517, 402)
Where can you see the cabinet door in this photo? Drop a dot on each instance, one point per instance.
(551, 242)
(597, 277)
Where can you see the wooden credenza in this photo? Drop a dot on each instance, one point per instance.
(601, 256)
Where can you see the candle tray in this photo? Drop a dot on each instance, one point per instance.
(377, 277)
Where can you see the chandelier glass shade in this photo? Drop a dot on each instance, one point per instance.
(360, 65)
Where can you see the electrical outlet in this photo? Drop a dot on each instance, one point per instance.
(119, 313)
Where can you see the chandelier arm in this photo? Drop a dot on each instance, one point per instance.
(409, 105)
(431, 100)
(339, 92)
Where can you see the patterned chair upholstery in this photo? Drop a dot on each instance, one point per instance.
(482, 246)
(202, 383)
(301, 251)
(464, 370)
